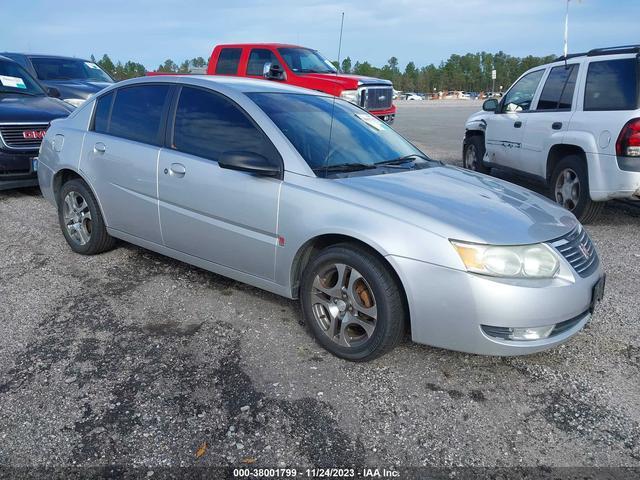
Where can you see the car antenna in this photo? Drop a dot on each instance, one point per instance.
(340, 43)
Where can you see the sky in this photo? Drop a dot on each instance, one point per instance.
(422, 31)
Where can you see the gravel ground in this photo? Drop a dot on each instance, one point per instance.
(130, 358)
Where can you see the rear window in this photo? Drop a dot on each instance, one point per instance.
(137, 113)
(101, 115)
(228, 61)
(557, 93)
(612, 85)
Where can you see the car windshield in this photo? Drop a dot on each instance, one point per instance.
(15, 79)
(303, 60)
(49, 68)
(333, 135)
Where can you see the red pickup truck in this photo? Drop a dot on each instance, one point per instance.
(303, 67)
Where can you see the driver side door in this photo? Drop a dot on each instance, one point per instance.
(505, 129)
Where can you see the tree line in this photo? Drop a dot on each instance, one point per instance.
(469, 72)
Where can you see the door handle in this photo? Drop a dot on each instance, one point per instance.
(176, 170)
(556, 125)
(517, 124)
(99, 147)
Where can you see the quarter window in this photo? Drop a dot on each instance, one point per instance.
(520, 95)
(257, 60)
(557, 93)
(101, 115)
(228, 61)
(208, 124)
(612, 85)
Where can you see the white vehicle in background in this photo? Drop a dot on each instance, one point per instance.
(573, 124)
(412, 96)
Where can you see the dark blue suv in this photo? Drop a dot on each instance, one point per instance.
(76, 79)
(25, 114)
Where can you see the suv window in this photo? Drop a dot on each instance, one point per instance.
(102, 112)
(258, 58)
(520, 95)
(612, 85)
(557, 93)
(137, 113)
(208, 124)
(228, 61)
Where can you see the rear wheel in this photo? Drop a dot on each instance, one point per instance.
(352, 303)
(570, 189)
(473, 154)
(81, 220)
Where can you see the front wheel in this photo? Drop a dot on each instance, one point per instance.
(473, 154)
(570, 188)
(352, 303)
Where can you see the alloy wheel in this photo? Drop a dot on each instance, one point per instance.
(343, 305)
(77, 218)
(567, 189)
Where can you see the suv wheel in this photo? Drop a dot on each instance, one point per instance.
(81, 220)
(352, 303)
(473, 154)
(570, 188)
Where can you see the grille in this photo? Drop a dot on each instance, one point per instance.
(377, 98)
(13, 135)
(579, 251)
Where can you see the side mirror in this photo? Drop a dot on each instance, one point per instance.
(490, 105)
(249, 162)
(53, 92)
(274, 72)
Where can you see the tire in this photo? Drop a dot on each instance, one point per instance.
(569, 187)
(81, 221)
(473, 155)
(369, 287)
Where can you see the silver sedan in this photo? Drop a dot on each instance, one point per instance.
(310, 197)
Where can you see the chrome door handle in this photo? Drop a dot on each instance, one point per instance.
(99, 147)
(176, 170)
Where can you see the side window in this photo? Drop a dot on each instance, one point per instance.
(612, 85)
(520, 95)
(137, 113)
(557, 93)
(102, 112)
(257, 60)
(208, 124)
(228, 61)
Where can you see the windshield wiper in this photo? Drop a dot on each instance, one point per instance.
(345, 167)
(19, 92)
(401, 160)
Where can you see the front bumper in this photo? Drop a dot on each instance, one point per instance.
(388, 115)
(17, 169)
(449, 307)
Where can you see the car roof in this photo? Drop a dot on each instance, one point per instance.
(242, 85)
(264, 44)
(43, 55)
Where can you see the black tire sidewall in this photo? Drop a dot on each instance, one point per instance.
(97, 224)
(478, 143)
(378, 278)
(576, 164)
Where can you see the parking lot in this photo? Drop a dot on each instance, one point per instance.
(131, 358)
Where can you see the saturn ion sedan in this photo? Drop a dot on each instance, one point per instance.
(311, 197)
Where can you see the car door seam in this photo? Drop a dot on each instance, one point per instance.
(158, 195)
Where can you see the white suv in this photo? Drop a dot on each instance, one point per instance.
(573, 124)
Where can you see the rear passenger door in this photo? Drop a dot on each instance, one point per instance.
(120, 157)
(549, 119)
(223, 216)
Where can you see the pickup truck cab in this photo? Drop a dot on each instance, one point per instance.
(303, 67)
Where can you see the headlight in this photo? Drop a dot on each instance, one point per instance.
(76, 102)
(520, 261)
(351, 96)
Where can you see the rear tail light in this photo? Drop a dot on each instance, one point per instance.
(628, 144)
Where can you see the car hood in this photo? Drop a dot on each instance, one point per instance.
(76, 88)
(23, 108)
(348, 82)
(464, 205)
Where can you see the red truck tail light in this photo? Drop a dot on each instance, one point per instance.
(628, 144)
